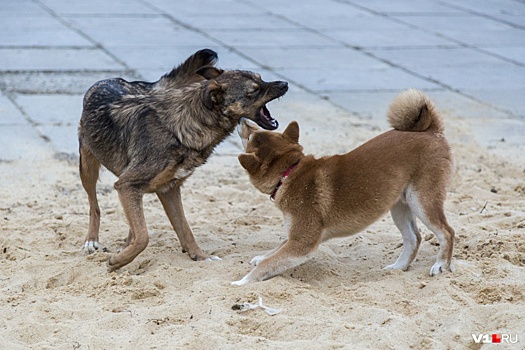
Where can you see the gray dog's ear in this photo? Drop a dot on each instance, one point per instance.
(292, 132)
(249, 161)
(211, 94)
(209, 72)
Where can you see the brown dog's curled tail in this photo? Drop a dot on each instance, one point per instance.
(412, 110)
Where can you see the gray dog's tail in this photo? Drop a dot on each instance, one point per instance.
(185, 73)
(412, 110)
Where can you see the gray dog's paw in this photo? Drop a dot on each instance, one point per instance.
(90, 247)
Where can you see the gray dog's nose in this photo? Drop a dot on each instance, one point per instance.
(283, 85)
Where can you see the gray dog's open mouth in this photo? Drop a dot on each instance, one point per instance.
(264, 119)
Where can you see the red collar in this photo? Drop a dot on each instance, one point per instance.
(285, 175)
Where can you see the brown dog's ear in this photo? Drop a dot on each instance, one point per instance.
(209, 72)
(249, 161)
(211, 94)
(292, 132)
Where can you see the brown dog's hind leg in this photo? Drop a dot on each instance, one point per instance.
(172, 203)
(89, 168)
(131, 200)
(430, 211)
(445, 234)
(405, 221)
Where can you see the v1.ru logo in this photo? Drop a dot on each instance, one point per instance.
(495, 338)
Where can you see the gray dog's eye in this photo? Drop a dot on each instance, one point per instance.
(253, 90)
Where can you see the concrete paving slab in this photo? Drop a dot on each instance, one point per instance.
(98, 7)
(9, 113)
(458, 68)
(493, 33)
(269, 38)
(451, 103)
(437, 57)
(165, 58)
(517, 20)
(489, 7)
(181, 8)
(474, 78)
(157, 31)
(57, 82)
(399, 37)
(350, 19)
(56, 59)
(356, 79)
(516, 54)
(57, 110)
(233, 21)
(63, 139)
(373, 106)
(42, 30)
(370, 106)
(511, 100)
(299, 12)
(21, 142)
(313, 58)
(26, 8)
(407, 7)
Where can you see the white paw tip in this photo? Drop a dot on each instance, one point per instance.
(256, 260)
(395, 267)
(90, 246)
(241, 282)
(438, 268)
(213, 258)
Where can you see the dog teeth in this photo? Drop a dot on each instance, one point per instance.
(265, 113)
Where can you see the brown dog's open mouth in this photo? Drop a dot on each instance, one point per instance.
(264, 119)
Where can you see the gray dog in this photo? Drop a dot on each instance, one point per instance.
(153, 136)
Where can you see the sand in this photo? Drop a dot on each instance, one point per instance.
(54, 297)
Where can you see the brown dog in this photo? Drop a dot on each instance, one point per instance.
(153, 136)
(405, 170)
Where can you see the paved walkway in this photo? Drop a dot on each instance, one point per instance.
(352, 54)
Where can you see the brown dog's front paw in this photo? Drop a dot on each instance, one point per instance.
(439, 267)
(242, 281)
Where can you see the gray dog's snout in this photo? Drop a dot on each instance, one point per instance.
(282, 85)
